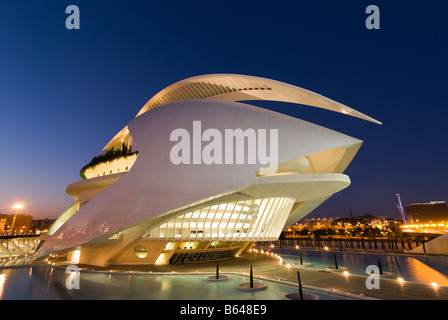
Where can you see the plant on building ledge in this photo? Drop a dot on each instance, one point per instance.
(109, 156)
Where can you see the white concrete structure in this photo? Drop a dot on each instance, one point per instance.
(157, 211)
(438, 245)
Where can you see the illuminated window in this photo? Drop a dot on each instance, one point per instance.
(140, 251)
(253, 219)
(169, 246)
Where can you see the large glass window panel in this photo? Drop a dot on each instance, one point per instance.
(253, 219)
(258, 211)
(272, 210)
(277, 215)
(232, 225)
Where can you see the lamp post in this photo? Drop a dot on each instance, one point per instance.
(17, 207)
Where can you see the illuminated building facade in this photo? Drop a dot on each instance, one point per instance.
(15, 223)
(430, 212)
(171, 187)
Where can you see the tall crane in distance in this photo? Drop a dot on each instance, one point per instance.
(400, 208)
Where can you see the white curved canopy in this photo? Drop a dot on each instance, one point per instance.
(233, 87)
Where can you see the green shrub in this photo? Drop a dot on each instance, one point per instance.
(110, 155)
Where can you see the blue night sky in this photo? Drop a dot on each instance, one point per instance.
(65, 93)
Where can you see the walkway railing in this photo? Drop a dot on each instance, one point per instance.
(385, 245)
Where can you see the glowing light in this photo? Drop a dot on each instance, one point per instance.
(326, 248)
(346, 273)
(400, 279)
(17, 206)
(75, 256)
(2, 284)
(434, 284)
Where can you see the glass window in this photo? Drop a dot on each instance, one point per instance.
(169, 246)
(140, 251)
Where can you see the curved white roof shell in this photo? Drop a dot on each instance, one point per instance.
(233, 87)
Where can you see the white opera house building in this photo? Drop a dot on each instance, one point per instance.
(198, 175)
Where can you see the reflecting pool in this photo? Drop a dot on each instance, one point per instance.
(48, 283)
(422, 269)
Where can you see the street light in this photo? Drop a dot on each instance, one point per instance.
(17, 207)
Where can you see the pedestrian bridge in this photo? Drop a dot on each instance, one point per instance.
(17, 246)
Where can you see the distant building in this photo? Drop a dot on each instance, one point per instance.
(15, 223)
(41, 226)
(430, 212)
(318, 223)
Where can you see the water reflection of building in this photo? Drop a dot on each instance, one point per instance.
(430, 212)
